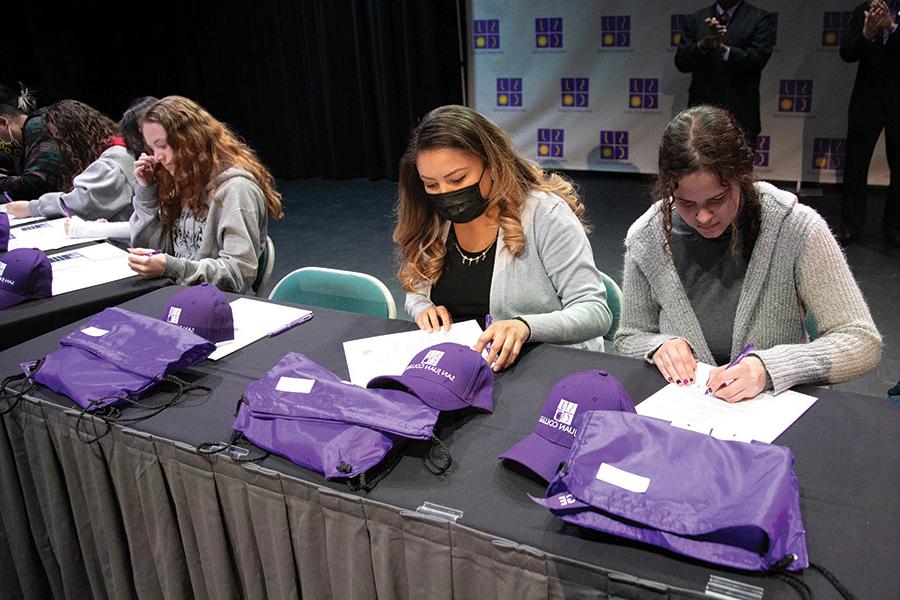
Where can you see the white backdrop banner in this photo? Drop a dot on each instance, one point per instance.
(591, 84)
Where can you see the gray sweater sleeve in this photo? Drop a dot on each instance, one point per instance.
(234, 223)
(569, 263)
(638, 334)
(146, 227)
(101, 191)
(849, 345)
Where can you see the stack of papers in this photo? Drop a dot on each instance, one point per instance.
(389, 354)
(762, 418)
(45, 235)
(88, 266)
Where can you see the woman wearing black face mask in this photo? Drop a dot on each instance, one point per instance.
(30, 163)
(482, 230)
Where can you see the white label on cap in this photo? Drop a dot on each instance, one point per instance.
(623, 479)
(174, 315)
(295, 385)
(94, 331)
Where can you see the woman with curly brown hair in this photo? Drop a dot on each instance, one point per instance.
(481, 230)
(203, 199)
(97, 169)
(721, 260)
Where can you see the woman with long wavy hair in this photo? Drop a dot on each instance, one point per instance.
(202, 200)
(97, 168)
(483, 231)
(721, 260)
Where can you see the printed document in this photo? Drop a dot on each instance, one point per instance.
(762, 418)
(389, 354)
(254, 320)
(45, 235)
(88, 266)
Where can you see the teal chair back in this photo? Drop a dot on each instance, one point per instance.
(812, 329)
(264, 268)
(614, 301)
(340, 290)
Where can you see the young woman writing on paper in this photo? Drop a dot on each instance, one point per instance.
(97, 169)
(29, 156)
(202, 197)
(481, 230)
(721, 260)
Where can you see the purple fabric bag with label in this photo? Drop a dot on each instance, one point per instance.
(117, 356)
(730, 503)
(304, 412)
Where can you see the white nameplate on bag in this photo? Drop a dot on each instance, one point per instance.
(295, 385)
(623, 479)
(94, 331)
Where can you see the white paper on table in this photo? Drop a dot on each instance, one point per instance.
(88, 266)
(46, 235)
(16, 221)
(762, 418)
(390, 354)
(254, 320)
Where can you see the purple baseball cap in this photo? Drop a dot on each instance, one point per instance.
(549, 445)
(446, 377)
(4, 231)
(202, 309)
(25, 273)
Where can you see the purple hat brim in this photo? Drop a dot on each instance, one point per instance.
(539, 455)
(8, 299)
(432, 394)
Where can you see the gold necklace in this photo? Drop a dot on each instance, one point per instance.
(468, 261)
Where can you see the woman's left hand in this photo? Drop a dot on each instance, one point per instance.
(18, 209)
(742, 381)
(505, 339)
(146, 264)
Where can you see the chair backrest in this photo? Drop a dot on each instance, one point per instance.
(812, 329)
(614, 301)
(340, 290)
(264, 268)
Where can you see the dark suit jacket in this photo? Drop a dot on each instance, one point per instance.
(733, 84)
(876, 91)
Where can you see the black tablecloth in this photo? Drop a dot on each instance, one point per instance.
(846, 449)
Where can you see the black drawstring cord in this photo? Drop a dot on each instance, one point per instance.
(437, 465)
(780, 572)
(834, 581)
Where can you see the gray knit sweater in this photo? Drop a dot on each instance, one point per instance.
(554, 284)
(796, 267)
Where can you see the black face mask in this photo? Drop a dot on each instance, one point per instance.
(460, 206)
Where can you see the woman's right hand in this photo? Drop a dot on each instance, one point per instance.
(676, 362)
(145, 170)
(434, 318)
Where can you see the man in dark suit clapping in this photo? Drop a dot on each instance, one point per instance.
(872, 40)
(725, 48)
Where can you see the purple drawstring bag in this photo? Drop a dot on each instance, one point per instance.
(730, 503)
(305, 413)
(117, 356)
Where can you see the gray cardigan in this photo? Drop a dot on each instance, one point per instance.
(235, 229)
(101, 191)
(553, 285)
(796, 267)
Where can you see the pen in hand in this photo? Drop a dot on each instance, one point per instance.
(740, 356)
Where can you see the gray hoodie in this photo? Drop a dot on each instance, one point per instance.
(222, 247)
(101, 191)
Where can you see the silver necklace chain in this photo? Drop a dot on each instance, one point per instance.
(474, 260)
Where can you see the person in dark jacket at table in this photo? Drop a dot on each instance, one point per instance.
(30, 163)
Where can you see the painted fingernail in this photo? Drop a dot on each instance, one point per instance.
(678, 382)
(669, 379)
(708, 391)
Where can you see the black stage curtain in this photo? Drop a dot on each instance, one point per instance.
(318, 87)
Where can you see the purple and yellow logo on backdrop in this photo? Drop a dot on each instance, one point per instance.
(486, 34)
(795, 95)
(548, 32)
(643, 93)
(615, 31)
(509, 92)
(678, 22)
(550, 143)
(614, 145)
(575, 92)
(829, 153)
(834, 27)
(761, 152)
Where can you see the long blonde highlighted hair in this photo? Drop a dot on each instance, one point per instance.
(203, 147)
(418, 234)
